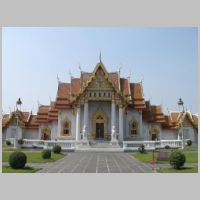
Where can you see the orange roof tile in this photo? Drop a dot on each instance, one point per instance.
(137, 95)
(124, 86)
(75, 86)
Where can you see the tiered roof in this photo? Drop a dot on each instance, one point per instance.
(132, 92)
(27, 119)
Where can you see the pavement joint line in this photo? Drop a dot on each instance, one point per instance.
(91, 156)
(117, 163)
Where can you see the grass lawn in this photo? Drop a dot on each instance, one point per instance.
(33, 157)
(182, 170)
(7, 169)
(191, 154)
(146, 157)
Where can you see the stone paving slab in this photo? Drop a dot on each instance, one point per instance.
(97, 162)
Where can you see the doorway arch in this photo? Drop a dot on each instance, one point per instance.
(100, 125)
(154, 133)
(46, 133)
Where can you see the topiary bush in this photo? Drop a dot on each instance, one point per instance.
(57, 149)
(189, 142)
(46, 153)
(21, 141)
(167, 147)
(177, 159)
(8, 142)
(141, 149)
(17, 160)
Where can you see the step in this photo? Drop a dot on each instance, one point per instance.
(99, 149)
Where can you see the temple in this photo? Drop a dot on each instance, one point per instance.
(101, 106)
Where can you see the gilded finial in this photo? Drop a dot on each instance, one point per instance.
(100, 57)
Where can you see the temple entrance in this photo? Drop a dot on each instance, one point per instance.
(99, 130)
(100, 122)
(154, 134)
(46, 133)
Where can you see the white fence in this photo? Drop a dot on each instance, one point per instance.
(65, 144)
(151, 145)
(72, 144)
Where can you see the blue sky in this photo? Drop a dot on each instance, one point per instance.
(166, 59)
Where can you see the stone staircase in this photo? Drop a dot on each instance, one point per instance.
(100, 146)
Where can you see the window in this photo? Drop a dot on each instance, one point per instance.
(133, 128)
(104, 94)
(90, 94)
(66, 129)
(95, 94)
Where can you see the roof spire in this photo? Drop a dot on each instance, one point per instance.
(58, 79)
(100, 57)
(79, 66)
(38, 103)
(142, 77)
(70, 74)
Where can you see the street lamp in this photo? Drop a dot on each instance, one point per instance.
(19, 102)
(180, 103)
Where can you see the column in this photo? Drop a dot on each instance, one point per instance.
(77, 123)
(141, 131)
(121, 118)
(113, 114)
(113, 123)
(85, 121)
(59, 124)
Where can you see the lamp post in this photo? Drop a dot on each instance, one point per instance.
(180, 103)
(19, 102)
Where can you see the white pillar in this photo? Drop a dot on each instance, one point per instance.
(85, 122)
(141, 131)
(77, 123)
(121, 118)
(59, 124)
(113, 114)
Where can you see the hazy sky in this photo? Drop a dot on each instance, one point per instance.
(166, 58)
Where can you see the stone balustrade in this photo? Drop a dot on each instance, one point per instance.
(151, 145)
(66, 145)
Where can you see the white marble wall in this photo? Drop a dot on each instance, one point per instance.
(30, 134)
(169, 135)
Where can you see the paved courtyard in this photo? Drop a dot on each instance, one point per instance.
(96, 162)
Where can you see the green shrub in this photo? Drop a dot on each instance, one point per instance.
(21, 141)
(17, 160)
(189, 142)
(177, 159)
(46, 153)
(57, 149)
(8, 142)
(141, 149)
(167, 147)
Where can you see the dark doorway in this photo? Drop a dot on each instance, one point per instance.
(99, 130)
(154, 136)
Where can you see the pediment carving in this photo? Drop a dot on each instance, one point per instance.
(100, 82)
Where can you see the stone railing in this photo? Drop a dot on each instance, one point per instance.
(151, 145)
(65, 144)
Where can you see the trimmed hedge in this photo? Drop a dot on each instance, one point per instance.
(46, 153)
(141, 149)
(21, 141)
(57, 149)
(8, 142)
(189, 142)
(17, 160)
(177, 159)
